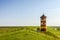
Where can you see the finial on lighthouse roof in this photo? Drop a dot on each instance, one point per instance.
(43, 14)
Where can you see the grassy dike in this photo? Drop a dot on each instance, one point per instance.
(28, 33)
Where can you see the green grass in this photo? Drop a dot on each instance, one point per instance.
(28, 33)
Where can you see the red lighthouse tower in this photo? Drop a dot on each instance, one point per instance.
(43, 23)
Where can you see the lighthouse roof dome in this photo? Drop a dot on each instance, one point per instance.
(43, 16)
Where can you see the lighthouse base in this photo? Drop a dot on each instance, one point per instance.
(43, 29)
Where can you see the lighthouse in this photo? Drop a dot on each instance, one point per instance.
(43, 23)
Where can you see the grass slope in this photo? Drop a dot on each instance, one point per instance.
(28, 33)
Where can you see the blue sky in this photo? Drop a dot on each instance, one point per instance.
(28, 12)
